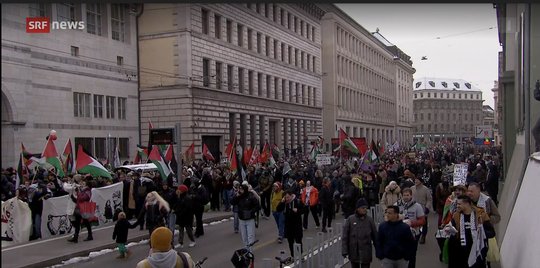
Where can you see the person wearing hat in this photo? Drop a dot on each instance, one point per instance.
(422, 196)
(162, 255)
(184, 215)
(359, 232)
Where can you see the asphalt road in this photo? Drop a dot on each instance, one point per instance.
(220, 242)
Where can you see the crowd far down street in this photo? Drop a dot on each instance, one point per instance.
(440, 190)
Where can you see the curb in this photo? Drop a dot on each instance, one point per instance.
(58, 259)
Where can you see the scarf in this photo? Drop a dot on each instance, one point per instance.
(482, 200)
(478, 237)
(308, 192)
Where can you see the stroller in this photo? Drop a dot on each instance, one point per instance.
(243, 258)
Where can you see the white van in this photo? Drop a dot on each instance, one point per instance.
(148, 167)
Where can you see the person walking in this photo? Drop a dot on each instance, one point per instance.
(483, 201)
(265, 190)
(395, 242)
(248, 205)
(326, 201)
(292, 209)
(422, 195)
(391, 195)
(276, 197)
(83, 195)
(154, 212)
(234, 192)
(162, 254)
(310, 198)
(120, 233)
(413, 215)
(359, 232)
(184, 215)
(201, 198)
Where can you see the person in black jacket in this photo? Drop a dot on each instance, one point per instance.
(120, 233)
(292, 210)
(248, 204)
(201, 197)
(326, 200)
(394, 241)
(184, 215)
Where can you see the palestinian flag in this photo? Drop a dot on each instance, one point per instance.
(142, 153)
(28, 158)
(87, 165)
(170, 158)
(206, 153)
(51, 157)
(69, 165)
(156, 158)
(189, 155)
(347, 142)
(375, 148)
(234, 162)
(229, 149)
(314, 151)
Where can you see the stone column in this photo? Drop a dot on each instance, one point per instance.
(285, 134)
(243, 126)
(253, 130)
(262, 132)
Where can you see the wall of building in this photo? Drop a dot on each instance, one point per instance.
(40, 75)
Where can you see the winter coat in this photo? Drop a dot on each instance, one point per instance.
(349, 198)
(389, 197)
(275, 199)
(184, 210)
(313, 196)
(371, 192)
(293, 220)
(121, 229)
(155, 216)
(326, 198)
(395, 241)
(248, 205)
(358, 233)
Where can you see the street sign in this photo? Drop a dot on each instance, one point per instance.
(484, 132)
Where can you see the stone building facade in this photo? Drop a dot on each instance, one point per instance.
(446, 109)
(224, 71)
(81, 83)
(367, 82)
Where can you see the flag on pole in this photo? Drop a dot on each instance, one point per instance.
(265, 154)
(375, 148)
(255, 155)
(142, 153)
(189, 155)
(170, 159)
(150, 127)
(234, 163)
(116, 157)
(229, 149)
(155, 157)
(248, 151)
(347, 142)
(69, 165)
(21, 171)
(207, 154)
(51, 157)
(86, 164)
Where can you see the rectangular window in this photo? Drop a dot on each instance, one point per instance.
(74, 51)
(250, 82)
(259, 84)
(37, 10)
(268, 85)
(259, 43)
(101, 144)
(283, 89)
(301, 27)
(290, 54)
(275, 12)
(258, 8)
(241, 80)
(266, 10)
(429, 95)
(217, 26)
(81, 104)
(119, 60)
(282, 17)
(110, 101)
(240, 32)
(283, 52)
(230, 77)
(296, 55)
(295, 24)
(93, 18)
(313, 62)
(289, 20)
(122, 108)
(219, 75)
(117, 22)
(302, 59)
(206, 72)
(98, 106)
(276, 88)
(313, 34)
(267, 46)
(308, 31)
(205, 18)
(250, 39)
(229, 31)
(123, 148)
(65, 11)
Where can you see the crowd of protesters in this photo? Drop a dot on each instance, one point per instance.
(289, 191)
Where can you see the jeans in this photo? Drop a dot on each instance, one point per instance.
(226, 194)
(412, 261)
(189, 231)
(425, 227)
(388, 263)
(171, 221)
(37, 225)
(360, 265)
(247, 231)
(280, 222)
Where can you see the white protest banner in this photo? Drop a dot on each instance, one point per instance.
(460, 174)
(54, 218)
(323, 159)
(16, 222)
(107, 199)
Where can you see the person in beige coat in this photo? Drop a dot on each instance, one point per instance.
(392, 193)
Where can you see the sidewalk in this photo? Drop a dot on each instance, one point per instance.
(51, 251)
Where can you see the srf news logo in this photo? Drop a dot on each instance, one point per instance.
(44, 25)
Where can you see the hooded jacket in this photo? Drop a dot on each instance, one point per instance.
(390, 197)
(168, 259)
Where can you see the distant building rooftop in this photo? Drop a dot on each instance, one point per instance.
(443, 84)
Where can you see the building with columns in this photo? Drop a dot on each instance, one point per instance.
(80, 82)
(225, 71)
(446, 109)
(367, 82)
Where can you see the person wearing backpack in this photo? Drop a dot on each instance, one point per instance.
(162, 255)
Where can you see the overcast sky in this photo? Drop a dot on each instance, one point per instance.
(456, 38)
